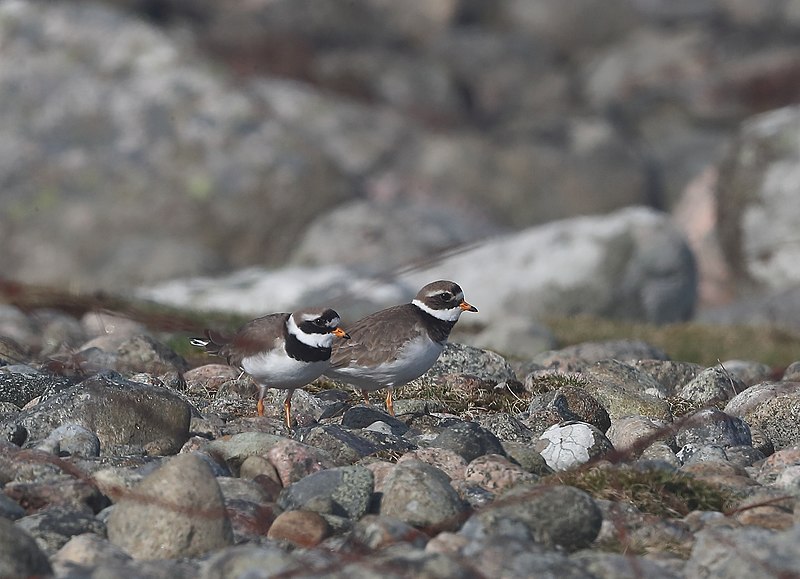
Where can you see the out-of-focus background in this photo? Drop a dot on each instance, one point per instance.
(628, 159)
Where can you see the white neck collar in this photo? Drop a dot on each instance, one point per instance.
(313, 340)
(450, 315)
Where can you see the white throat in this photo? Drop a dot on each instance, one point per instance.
(314, 340)
(450, 315)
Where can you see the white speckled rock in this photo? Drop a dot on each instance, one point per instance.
(571, 443)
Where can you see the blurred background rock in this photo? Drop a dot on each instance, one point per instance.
(289, 151)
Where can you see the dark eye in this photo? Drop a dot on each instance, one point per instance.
(320, 323)
(446, 296)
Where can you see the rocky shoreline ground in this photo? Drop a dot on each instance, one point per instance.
(598, 460)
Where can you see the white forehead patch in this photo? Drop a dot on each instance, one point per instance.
(310, 317)
(459, 296)
(450, 315)
(315, 340)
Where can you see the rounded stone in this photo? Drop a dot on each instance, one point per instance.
(451, 463)
(346, 490)
(496, 473)
(20, 556)
(176, 511)
(712, 427)
(710, 386)
(570, 444)
(71, 440)
(421, 495)
(468, 439)
(552, 515)
(302, 528)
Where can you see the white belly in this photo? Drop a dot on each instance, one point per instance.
(413, 361)
(277, 370)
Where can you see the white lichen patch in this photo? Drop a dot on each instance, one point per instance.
(566, 445)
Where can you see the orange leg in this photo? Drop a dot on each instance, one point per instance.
(287, 408)
(366, 397)
(260, 404)
(389, 403)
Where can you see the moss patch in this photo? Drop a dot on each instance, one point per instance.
(658, 492)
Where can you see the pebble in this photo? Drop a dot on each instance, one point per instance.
(496, 473)
(449, 462)
(570, 444)
(744, 552)
(421, 495)
(249, 561)
(772, 406)
(71, 440)
(554, 516)
(469, 440)
(713, 427)
(89, 550)
(379, 532)
(54, 526)
(712, 386)
(633, 434)
(624, 390)
(301, 528)
(344, 491)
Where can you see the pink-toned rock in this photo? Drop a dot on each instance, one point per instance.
(249, 518)
(446, 542)
(89, 550)
(495, 473)
(775, 464)
(293, 460)
(380, 470)
(377, 532)
(768, 517)
(303, 528)
(453, 464)
(257, 465)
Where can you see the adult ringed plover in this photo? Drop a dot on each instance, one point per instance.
(282, 350)
(394, 346)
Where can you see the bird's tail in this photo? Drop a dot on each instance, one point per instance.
(212, 344)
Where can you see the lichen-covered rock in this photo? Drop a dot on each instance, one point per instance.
(551, 515)
(771, 407)
(118, 411)
(343, 491)
(420, 495)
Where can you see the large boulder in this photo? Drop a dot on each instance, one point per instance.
(758, 203)
(118, 411)
(150, 163)
(631, 264)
